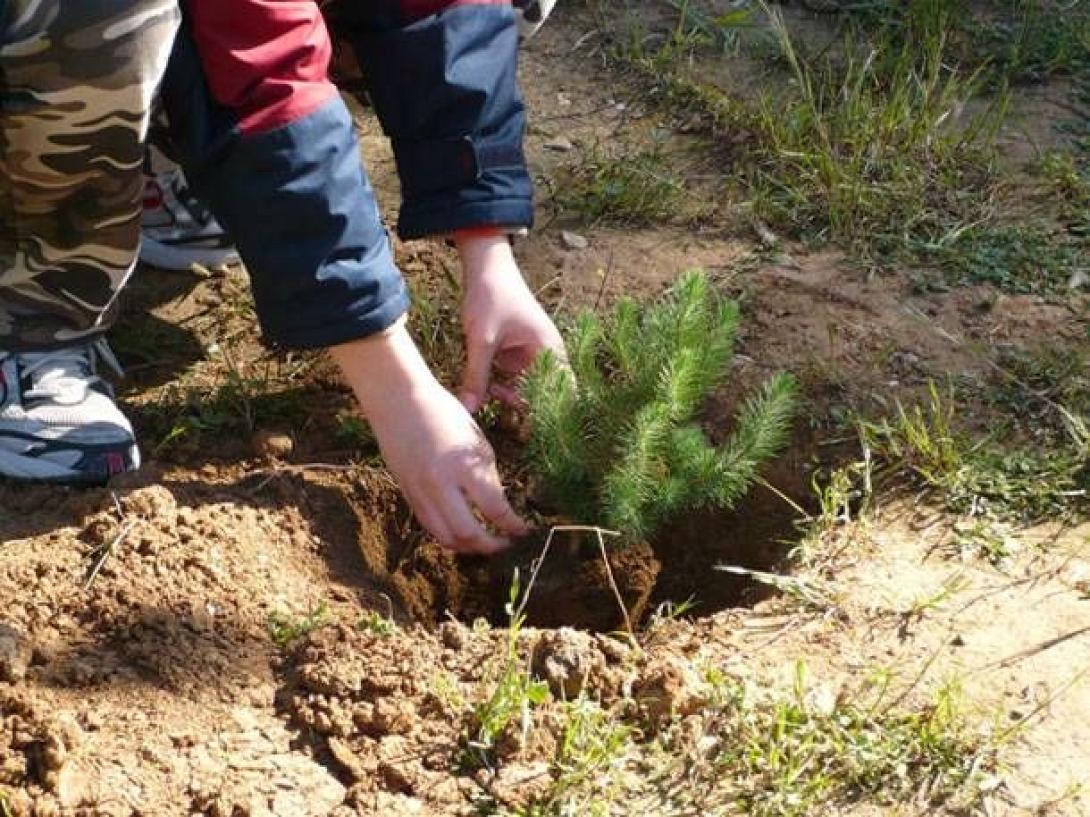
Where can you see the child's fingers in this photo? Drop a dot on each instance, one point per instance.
(432, 520)
(478, 372)
(486, 494)
(468, 534)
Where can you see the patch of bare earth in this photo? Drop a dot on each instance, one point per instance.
(138, 670)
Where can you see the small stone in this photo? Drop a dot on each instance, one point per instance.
(573, 241)
(560, 144)
(15, 654)
(453, 635)
(1079, 278)
(273, 445)
(765, 234)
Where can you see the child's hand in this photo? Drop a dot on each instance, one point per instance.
(505, 327)
(443, 463)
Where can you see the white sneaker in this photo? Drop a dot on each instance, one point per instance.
(58, 420)
(532, 15)
(177, 229)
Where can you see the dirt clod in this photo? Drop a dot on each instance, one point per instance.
(668, 687)
(15, 653)
(518, 785)
(453, 634)
(566, 659)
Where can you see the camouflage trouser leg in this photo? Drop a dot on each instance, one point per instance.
(77, 79)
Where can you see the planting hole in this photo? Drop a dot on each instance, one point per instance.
(573, 588)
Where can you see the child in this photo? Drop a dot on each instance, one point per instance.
(265, 138)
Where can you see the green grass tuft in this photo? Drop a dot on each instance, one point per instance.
(791, 756)
(868, 146)
(984, 478)
(287, 631)
(630, 189)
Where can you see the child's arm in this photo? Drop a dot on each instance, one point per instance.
(266, 139)
(442, 78)
(441, 75)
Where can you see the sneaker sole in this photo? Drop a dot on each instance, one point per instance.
(180, 258)
(15, 466)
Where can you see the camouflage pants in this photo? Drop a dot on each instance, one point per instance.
(77, 80)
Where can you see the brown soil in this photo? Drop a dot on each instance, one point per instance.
(138, 673)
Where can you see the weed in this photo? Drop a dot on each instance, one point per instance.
(353, 430)
(870, 147)
(923, 439)
(629, 189)
(1013, 41)
(672, 611)
(845, 495)
(721, 32)
(1030, 384)
(614, 439)
(923, 604)
(374, 622)
(592, 747)
(1023, 258)
(513, 697)
(1031, 40)
(986, 539)
(1065, 176)
(796, 754)
(863, 154)
(983, 478)
(287, 631)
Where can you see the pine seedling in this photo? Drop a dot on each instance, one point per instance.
(614, 437)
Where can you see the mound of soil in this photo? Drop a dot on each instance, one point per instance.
(391, 711)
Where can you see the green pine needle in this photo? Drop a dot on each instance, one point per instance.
(615, 440)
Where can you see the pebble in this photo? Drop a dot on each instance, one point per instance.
(561, 144)
(274, 445)
(72, 786)
(453, 634)
(573, 241)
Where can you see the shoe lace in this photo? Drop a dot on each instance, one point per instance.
(65, 375)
